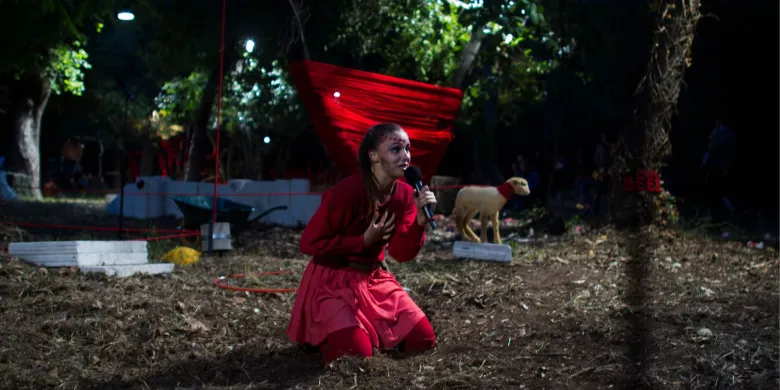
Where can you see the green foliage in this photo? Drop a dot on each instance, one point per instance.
(520, 51)
(254, 96)
(572, 223)
(53, 39)
(433, 36)
(260, 96)
(424, 40)
(180, 97)
(666, 209)
(65, 71)
(255, 91)
(418, 39)
(108, 104)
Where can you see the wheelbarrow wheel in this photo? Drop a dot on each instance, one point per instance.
(189, 240)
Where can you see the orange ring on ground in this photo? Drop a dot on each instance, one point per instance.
(217, 282)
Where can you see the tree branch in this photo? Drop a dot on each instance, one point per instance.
(299, 25)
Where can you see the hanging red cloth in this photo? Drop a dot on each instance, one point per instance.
(134, 165)
(344, 103)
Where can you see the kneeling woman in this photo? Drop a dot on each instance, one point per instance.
(347, 304)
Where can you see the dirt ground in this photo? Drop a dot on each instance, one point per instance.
(604, 310)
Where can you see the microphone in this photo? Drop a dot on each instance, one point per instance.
(413, 176)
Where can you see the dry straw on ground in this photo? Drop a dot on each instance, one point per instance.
(554, 318)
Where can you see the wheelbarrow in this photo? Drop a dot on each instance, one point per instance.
(197, 211)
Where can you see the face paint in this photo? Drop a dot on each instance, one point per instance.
(394, 153)
(393, 138)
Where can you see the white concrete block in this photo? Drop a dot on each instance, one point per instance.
(85, 259)
(478, 251)
(49, 247)
(129, 270)
(80, 253)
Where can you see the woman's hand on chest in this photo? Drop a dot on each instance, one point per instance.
(380, 229)
(361, 222)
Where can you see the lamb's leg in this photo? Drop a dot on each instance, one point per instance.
(496, 228)
(483, 220)
(458, 214)
(468, 233)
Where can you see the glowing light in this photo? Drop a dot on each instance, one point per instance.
(267, 139)
(250, 45)
(125, 15)
(336, 94)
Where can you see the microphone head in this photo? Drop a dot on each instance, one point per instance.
(412, 175)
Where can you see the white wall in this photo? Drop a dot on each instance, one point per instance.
(154, 200)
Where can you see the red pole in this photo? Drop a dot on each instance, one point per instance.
(219, 123)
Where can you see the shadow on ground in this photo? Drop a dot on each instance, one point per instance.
(275, 369)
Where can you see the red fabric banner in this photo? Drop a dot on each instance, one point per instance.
(344, 103)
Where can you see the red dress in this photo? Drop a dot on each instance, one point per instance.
(333, 296)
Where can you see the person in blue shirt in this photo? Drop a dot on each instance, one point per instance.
(591, 184)
(717, 164)
(6, 192)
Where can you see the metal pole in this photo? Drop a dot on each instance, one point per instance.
(122, 172)
(216, 143)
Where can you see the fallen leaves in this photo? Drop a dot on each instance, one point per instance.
(536, 323)
(195, 325)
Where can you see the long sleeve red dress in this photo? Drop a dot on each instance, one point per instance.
(333, 295)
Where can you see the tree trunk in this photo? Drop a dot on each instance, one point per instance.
(100, 163)
(183, 152)
(548, 184)
(489, 153)
(31, 94)
(645, 140)
(250, 159)
(117, 178)
(199, 146)
(148, 157)
(229, 158)
(282, 159)
(468, 57)
(259, 161)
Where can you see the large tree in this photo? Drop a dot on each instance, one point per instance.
(644, 141)
(47, 57)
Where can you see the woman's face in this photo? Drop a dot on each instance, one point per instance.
(393, 154)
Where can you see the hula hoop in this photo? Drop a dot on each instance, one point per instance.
(218, 283)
